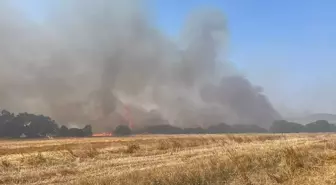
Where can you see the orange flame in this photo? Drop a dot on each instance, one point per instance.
(105, 134)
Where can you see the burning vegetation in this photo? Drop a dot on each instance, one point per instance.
(104, 134)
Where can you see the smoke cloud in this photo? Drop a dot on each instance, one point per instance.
(91, 58)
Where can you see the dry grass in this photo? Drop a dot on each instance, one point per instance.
(172, 160)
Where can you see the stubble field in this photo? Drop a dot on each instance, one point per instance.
(172, 160)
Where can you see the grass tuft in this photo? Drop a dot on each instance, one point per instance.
(132, 148)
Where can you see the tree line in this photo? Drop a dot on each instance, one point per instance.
(36, 126)
(278, 126)
(283, 126)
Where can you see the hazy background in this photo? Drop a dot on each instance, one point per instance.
(285, 46)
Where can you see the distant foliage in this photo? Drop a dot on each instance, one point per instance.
(247, 129)
(87, 130)
(35, 126)
(319, 126)
(220, 128)
(122, 130)
(197, 130)
(282, 126)
(213, 129)
(163, 129)
(279, 126)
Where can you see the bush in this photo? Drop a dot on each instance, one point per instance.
(132, 148)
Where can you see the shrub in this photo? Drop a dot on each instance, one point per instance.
(132, 148)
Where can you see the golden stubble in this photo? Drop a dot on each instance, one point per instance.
(171, 159)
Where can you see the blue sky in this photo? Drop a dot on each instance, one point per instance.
(287, 46)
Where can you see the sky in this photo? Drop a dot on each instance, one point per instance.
(285, 46)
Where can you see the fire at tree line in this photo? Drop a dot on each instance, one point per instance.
(37, 126)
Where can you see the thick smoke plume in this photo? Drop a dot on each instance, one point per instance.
(89, 59)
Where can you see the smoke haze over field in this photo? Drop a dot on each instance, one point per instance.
(91, 58)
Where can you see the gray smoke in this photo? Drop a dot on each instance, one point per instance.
(90, 58)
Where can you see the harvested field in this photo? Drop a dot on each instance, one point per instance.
(172, 160)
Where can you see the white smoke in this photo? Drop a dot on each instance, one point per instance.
(89, 58)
